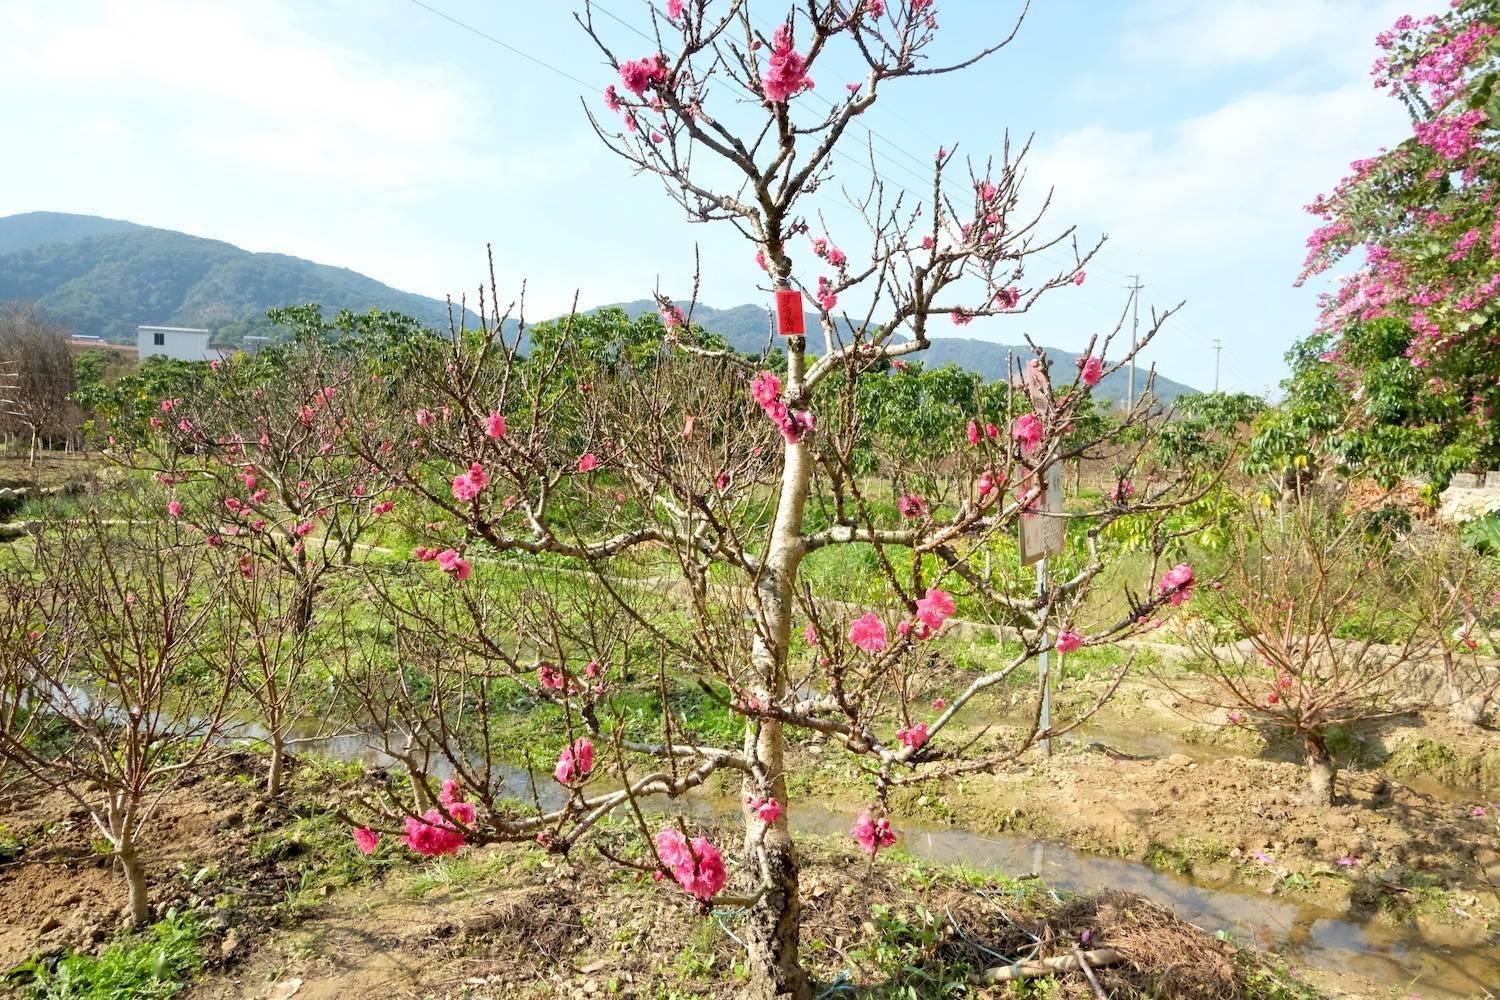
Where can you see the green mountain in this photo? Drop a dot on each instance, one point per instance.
(34, 229)
(103, 277)
(747, 328)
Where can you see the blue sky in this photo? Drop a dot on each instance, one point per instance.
(376, 135)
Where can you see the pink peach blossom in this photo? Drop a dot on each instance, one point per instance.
(868, 633)
(873, 834)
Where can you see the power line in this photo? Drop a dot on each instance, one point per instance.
(504, 45)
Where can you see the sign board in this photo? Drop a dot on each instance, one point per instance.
(1041, 535)
(789, 318)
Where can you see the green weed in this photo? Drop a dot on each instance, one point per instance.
(155, 964)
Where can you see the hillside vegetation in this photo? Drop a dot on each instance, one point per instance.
(103, 277)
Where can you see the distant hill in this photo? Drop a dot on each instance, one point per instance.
(747, 328)
(104, 277)
(35, 229)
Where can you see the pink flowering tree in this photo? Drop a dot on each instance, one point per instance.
(651, 514)
(119, 706)
(254, 463)
(1311, 628)
(1410, 333)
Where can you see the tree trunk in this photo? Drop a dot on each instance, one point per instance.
(1320, 770)
(278, 757)
(771, 932)
(135, 878)
(421, 793)
(302, 608)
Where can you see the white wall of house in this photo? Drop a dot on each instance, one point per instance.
(182, 343)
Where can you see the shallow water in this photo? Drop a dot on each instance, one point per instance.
(1306, 936)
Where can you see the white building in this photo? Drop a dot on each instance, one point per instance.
(180, 342)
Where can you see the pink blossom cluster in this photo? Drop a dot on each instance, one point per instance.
(1090, 370)
(1177, 584)
(640, 74)
(767, 810)
(826, 297)
(468, 485)
(913, 736)
(432, 834)
(873, 834)
(912, 506)
(1028, 430)
(575, 762)
(672, 317)
(786, 75)
(697, 865)
(823, 249)
(1451, 136)
(1068, 641)
(869, 633)
(765, 389)
(448, 560)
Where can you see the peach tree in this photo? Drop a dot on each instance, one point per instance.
(651, 515)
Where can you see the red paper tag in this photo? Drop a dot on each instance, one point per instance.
(789, 322)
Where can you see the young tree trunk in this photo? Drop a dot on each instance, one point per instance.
(278, 757)
(302, 608)
(1320, 770)
(135, 878)
(421, 794)
(771, 932)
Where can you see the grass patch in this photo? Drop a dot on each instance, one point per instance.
(319, 854)
(157, 963)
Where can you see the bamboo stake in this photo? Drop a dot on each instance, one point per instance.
(1050, 966)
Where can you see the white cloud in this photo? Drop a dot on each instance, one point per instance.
(247, 79)
(1218, 181)
(1205, 34)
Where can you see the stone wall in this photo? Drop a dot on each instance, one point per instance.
(1470, 496)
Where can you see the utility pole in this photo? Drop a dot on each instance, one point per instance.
(1218, 353)
(1135, 287)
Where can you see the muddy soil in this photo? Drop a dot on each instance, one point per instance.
(515, 928)
(64, 894)
(516, 922)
